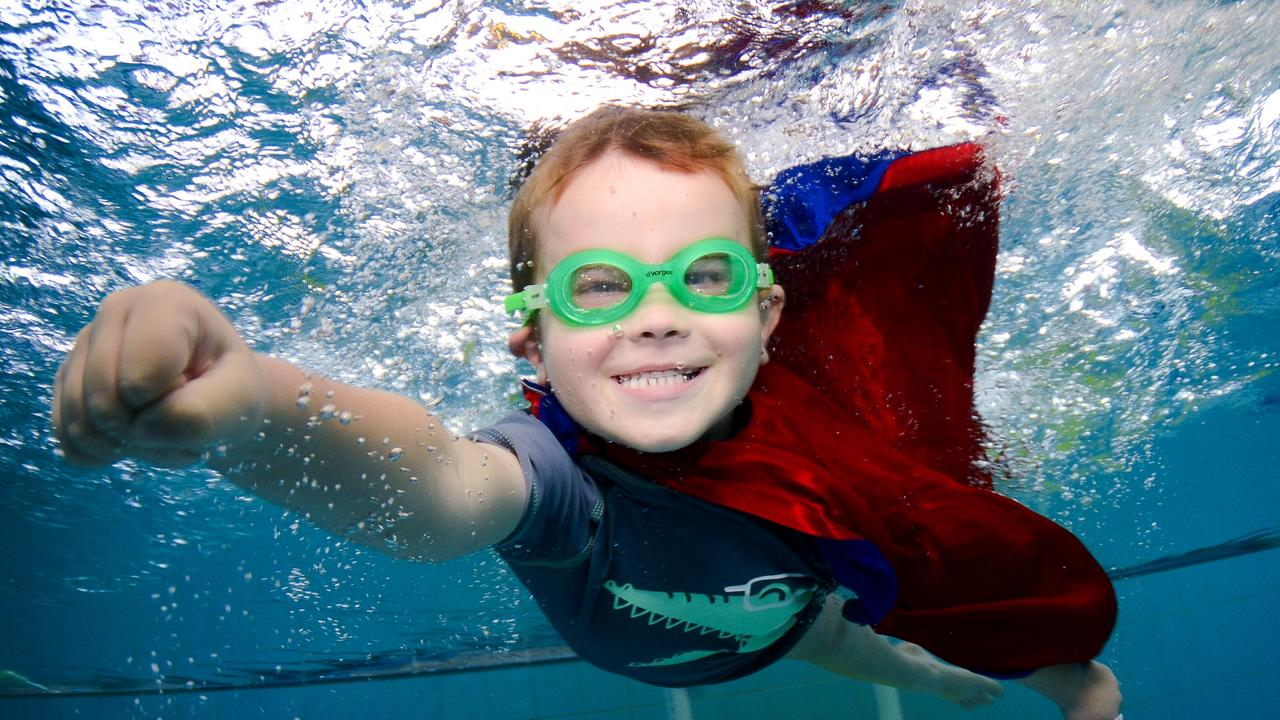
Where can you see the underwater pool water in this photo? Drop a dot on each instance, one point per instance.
(335, 174)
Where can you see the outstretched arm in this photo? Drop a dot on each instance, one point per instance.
(857, 652)
(1084, 691)
(161, 375)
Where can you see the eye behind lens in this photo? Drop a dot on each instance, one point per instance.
(599, 286)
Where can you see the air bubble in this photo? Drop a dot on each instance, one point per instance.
(327, 412)
(395, 454)
(616, 332)
(344, 417)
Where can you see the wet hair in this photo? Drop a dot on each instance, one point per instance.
(672, 140)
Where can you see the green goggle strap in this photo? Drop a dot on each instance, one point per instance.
(556, 293)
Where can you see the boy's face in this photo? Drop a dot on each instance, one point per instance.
(607, 377)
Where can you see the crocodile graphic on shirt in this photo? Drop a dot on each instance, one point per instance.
(753, 614)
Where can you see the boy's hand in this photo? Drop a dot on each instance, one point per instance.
(160, 375)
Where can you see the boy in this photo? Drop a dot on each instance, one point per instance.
(640, 579)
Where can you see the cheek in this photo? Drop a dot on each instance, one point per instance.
(569, 355)
(742, 337)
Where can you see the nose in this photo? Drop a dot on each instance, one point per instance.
(657, 317)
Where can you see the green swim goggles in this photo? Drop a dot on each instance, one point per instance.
(595, 287)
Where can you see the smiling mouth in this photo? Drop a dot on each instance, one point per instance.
(657, 378)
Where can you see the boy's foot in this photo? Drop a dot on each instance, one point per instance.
(964, 688)
(1099, 696)
(1084, 691)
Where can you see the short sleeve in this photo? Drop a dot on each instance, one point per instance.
(564, 505)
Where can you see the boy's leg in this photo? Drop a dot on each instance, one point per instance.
(857, 652)
(1084, 691)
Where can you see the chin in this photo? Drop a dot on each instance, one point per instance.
(655, 442)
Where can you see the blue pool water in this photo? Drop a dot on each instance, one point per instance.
(335, 175)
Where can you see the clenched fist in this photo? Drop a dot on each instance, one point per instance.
(159, 375)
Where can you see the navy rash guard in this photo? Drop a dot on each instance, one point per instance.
(651, 583)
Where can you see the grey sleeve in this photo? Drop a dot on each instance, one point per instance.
(564, 503)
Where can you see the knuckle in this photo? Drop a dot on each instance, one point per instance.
(170, 288)
(68, 414)
(103, 408)
(99, 402)
(115, 302)
(75, 431)
(80, 446)
(80, 342)
(136, 385)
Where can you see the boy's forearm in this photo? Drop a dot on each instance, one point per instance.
(371, 466)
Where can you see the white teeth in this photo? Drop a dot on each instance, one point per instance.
(656, 378)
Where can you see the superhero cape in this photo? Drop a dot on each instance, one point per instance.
(862, 430)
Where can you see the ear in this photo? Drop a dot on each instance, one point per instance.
(770, 314)
(526, 344)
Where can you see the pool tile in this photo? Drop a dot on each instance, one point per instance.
(555, 691)
(602, 691)
(749, 706)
